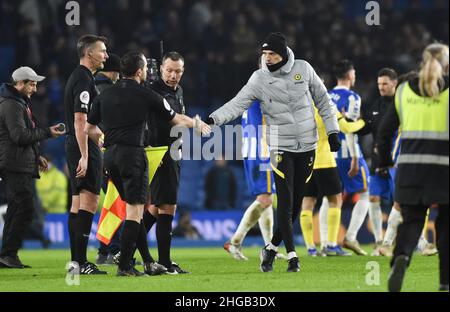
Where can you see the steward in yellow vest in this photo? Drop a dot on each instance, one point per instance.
(421, 110)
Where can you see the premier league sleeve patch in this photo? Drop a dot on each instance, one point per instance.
(84, 99)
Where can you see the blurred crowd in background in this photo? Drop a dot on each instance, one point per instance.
(220, 41)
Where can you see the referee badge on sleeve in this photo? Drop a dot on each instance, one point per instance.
(84, 99)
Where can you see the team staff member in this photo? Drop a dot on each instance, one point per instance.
(84, 157)
(286, 88)
(124, 110)
(20, 160)
(382, 186)
(421, 110)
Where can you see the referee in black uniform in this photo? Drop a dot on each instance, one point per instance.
(124, 110)
(164, 186)
(84, 157)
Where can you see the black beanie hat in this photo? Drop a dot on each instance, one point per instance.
(112, 64)
(276, 42)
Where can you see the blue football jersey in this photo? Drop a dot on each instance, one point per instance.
(254, 143)
(347, 102)
(255, 152)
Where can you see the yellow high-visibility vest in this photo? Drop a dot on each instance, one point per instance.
(422, 118)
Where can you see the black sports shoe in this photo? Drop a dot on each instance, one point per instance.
(174, 268)
(267, 257)
(130, 272)
(154, 268)
(133, 268)
(293, 265)
(90, 269)
(101, 259)
(12, 262)
(397, 274)
(443, 287)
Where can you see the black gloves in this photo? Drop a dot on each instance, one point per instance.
(209, 121)
(333, 140)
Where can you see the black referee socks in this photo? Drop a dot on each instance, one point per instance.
(164, 238)
(142, 244)
(129, 237)
(149, 220)
(72, 235)
(83, 229)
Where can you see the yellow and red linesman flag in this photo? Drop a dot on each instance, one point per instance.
(114, 211)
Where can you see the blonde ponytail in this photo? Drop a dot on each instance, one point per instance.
(431, 75)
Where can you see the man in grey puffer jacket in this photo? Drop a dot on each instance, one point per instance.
(287, 89)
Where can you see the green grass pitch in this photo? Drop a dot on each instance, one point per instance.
(212, 269)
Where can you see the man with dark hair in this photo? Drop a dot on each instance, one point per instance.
(84, 157)
(341, 69)
(87, 43)
(382, 186)
(20, 159)
(124, 109)
(164, 186)
(349, 158)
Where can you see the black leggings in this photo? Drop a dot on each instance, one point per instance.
(291, 172)
(409, 233)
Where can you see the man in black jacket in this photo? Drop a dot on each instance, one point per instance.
(20, 160)
(381, 187)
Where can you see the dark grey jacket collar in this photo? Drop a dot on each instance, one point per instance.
(7, 91)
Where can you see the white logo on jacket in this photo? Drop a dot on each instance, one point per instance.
(84, 97)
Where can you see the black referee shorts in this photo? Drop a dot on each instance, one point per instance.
(324, 182)
(92, 182)
(127, 166)
(165, 183)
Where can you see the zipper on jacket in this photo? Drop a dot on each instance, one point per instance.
(297, 127)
